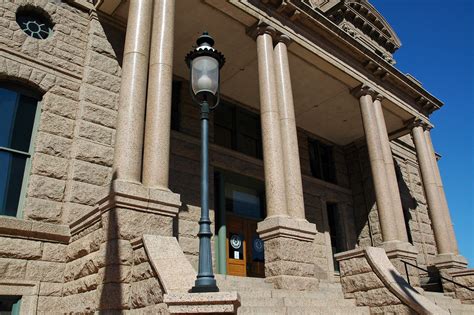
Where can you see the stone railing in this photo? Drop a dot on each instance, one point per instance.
(368, 276)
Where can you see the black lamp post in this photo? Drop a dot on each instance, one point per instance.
(205, 62)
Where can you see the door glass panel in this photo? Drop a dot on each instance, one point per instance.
(17, 115)
(243, 201)
(12, 168)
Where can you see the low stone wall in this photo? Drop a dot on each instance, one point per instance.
(368, 276)
(465, 278)
(361, 283)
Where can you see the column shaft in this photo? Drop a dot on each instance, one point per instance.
(397, 208)
(377, 165)
(130, 121)
(158, 112)
(289, 137)
(431, 191)
(442, 195)
(271, 135)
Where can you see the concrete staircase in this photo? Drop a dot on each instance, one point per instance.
(454, 306)
(259, 297)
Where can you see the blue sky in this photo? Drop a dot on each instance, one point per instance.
(438, 49)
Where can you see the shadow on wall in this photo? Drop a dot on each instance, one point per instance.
(111, 294)
(408, 201)
(116, 38)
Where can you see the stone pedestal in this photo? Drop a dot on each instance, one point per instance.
(202, 303)
(397, 252)
(447, 264)
(130, 210)
(289, 253)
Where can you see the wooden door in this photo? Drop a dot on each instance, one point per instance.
(236, 247)
(244, 248)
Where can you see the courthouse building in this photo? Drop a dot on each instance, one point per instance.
(326, 197)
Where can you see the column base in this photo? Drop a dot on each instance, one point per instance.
(289, 253)
(450, 261)
(398, 252)
(446, 264)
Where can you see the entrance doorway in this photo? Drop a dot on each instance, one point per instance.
(240, 206)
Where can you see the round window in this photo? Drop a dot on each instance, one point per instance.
(34, 24)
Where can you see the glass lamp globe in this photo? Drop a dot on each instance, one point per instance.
(205, 62)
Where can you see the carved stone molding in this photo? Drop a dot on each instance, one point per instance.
(260, 28)
(418, 122)
(363, 90)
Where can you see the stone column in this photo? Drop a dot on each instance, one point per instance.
(131, 116)
(288, 242)
(270, 120)
(377, 164)
(289, 138)
(397, 208)
(439, 183)
(158, 111)
(431, 190)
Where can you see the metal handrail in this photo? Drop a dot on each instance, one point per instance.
(426, 270)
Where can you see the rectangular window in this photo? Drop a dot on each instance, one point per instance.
(322, 161)
(238, 129)
(17, 122)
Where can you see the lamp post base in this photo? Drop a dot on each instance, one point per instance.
(205, 285)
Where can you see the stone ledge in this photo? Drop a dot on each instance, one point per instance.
(283, 226)
(450, 261)
(202, 303)
(34, 230)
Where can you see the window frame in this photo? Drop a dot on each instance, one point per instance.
(235, 130)
(314, 144)
(18, 88)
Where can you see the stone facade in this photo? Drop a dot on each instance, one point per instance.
(76, 244)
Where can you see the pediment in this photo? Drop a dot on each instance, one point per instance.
(361, 20)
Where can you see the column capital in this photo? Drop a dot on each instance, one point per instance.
(364, 89)
(261, 28)
(283, 38)
(418, 122)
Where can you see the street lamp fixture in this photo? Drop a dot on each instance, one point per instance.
(204, 63)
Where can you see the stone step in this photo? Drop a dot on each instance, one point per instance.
(307, 294)
(261, 301)
(314, 310)
(298, 301)
(262, 310)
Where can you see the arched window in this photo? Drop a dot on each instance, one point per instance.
(18, 112)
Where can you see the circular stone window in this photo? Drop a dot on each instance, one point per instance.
(34, 23)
